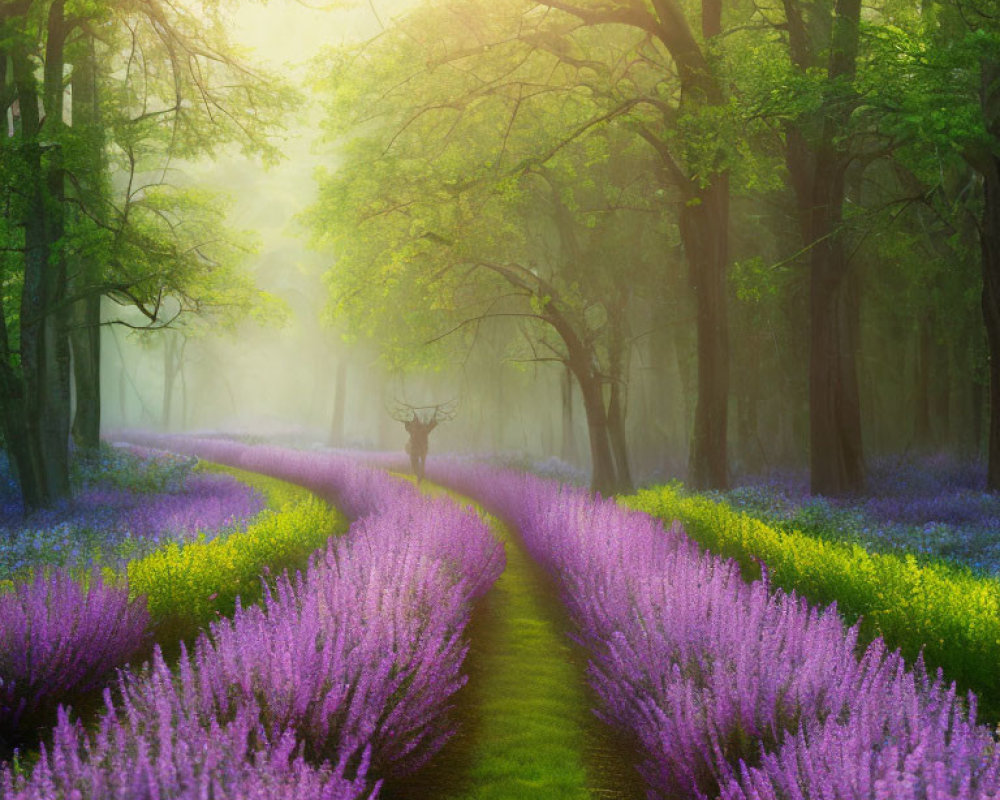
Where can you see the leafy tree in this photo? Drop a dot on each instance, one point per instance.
(688, 126)
(461, 199)
(939, 95)
(90, 202)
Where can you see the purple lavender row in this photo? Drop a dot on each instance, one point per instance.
(731, 689)
(60, 637)
(58, 640)
(350, 667)
(357, 491)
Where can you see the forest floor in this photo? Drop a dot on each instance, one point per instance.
(931, 505)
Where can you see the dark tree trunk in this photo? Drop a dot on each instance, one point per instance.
(55, 377)
(12, 418)
(618, 357)
(619, 441)
(86, 343)
(603, 478)
(44, 393)
(704, 231)
(85, 331)
(836, 460)
(989, 237)
(582, 362)
(817, 174)
(568, 451)
(339, 404)
(990, 243)
(835, 446)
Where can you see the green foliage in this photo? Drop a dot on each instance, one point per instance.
(134, 230)
(187, 586)
(478, 182)
(944, 611)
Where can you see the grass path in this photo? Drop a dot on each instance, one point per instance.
(526, 729)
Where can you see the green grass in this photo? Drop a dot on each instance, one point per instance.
(525, 721)
(945, 611)
(188, 585)
(529, 695)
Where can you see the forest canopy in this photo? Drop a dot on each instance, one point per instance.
(818, 177)
(737, 234)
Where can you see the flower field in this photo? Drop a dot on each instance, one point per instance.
(340, 677)
(725, 677)
(66, 628)
(734, 689)
(932, 506)
(128, 503)
(942, 610)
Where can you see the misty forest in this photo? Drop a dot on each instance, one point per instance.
(500, 399)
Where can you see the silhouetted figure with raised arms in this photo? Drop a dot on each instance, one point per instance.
(416, 448)
(420, 428)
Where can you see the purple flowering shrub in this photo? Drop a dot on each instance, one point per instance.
(58, 640)
(365, 650)
(351, 666)
(925, 748)
(159, 742)
(726, 685)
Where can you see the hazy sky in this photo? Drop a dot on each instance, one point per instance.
(285, 31)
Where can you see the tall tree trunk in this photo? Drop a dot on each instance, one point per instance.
(85, 339)
(568, 451)
(989, 232)
(12, 418)
(603, 477)
(704, 231)
(55, 378)
(44, 347)
(817, 175)
(582, 362)
(85, 330)
(835, 452)
(836, 459)
(989, 237)
(339, 404)
(618, 357)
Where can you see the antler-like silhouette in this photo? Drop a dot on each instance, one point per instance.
(439, 412)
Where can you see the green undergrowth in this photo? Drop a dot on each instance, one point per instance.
(525, 725)
(943, 610)
(188, 585)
